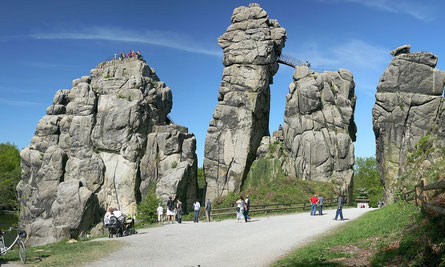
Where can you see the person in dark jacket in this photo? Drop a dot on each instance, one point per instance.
(208, 209)
(341, 201)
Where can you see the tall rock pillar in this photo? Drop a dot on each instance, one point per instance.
(251, 47)
(319, 128)
(409, 106)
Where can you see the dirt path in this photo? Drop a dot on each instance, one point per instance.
(224, 243)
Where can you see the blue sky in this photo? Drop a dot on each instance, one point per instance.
(47, 44)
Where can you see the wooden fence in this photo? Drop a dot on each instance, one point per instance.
(417, 194)
(265, 208)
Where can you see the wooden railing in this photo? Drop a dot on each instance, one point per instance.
(265, 208)
(417, 194)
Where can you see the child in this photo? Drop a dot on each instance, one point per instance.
(160, 212)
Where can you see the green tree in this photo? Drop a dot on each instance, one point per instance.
(10, 172)
(147, 208)
(367, 179)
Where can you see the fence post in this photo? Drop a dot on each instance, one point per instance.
(304, 205)
(422, 198)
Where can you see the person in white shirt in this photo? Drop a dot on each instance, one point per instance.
(160, 212)
(196, 207)
(108, 216)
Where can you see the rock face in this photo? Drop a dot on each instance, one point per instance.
(170, 164)
(272, 161)
(409, 106)
(251, 46)
(92, 151)
(319, 128)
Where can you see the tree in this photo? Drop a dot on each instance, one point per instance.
(367, 179)
(10, 172)
(147, 208)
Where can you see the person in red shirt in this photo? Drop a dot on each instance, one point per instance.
(314, 201)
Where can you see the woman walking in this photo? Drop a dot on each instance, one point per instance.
(179, 210)
(240, 209)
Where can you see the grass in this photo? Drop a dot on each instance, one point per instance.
(65, 254)
(378, 229)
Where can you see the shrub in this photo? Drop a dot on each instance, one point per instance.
(174, 164)
(147, 208)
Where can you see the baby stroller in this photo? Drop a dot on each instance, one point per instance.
(115, 227)
(128, 225)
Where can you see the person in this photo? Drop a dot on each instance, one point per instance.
(115, 56)
(320, 205)
(196, 207)
(138, 54)
(314, 201)
(108, 215)
(208, 209)
(160, 212)
(170, 210)
(240, 209)
(132, 54)
(179, 210)
(246, 209)
(341, 201)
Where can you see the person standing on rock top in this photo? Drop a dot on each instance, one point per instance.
(170, 210)
(314, 201)
(196, 207)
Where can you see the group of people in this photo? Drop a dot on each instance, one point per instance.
(130, 54)
(112, 212)
(242, 209)
(318, 201)
(175, 210)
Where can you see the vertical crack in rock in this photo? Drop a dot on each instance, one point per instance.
(408, 106)
(92, 151)
(251, 46)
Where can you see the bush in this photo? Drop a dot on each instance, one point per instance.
(174, 164)
(147, 208)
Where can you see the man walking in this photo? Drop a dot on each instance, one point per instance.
(196, 207)
(314, 201)
(208, 209)
(320, 205)
(247, 208)
(340, 207)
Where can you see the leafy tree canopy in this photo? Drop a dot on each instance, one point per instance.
(367, 180)
(9, 175)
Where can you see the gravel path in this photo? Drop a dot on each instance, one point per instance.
(224, 243)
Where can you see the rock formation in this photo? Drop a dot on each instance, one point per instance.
(319, 128)
(251, 46)
(409, 106)
(94, 150)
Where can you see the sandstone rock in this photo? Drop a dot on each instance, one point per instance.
(251, 46)
(170, 163)
(319, 128)
(409, 106)
(89, 152)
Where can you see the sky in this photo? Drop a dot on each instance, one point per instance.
(47, 44)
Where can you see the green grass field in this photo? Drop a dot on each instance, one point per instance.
(396, 234)
(65, 254)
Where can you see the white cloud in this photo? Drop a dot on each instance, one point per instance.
(420, 10)
(160, 38)
(354, 54)
(20, 103)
